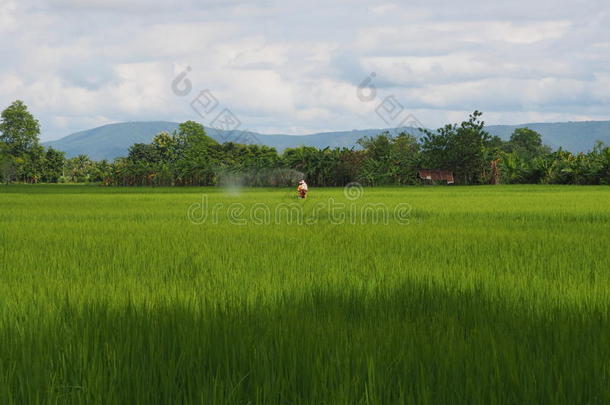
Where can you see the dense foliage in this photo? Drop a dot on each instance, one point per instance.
(189, 157)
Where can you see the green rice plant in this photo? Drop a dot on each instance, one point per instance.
(466, 295)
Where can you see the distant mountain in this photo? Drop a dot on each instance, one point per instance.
(111, 141)
(573, 136)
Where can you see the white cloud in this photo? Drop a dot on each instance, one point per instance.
(384, 8)
(7, 14)
(292, 67)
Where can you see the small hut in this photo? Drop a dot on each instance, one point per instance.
(435, 175)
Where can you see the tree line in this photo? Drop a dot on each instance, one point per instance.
(188, 157)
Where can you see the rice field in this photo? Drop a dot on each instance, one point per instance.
(472, 295)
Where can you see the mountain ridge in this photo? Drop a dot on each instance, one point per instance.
(113, 140)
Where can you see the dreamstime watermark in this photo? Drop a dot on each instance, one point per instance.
(333, 211)
(390, 110)
(209, 109)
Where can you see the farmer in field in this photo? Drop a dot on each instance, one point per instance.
(302, 189)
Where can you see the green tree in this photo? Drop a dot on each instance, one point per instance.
(166, 146)
(527, 144)
(143, 152)
(599, 167)
(54, 164)
(79, 168)
(377, 168)
(462, 149)
(512, 168)
(32, 168)
(8, 167)
(192, 134)
(197, 161)
(19, 130)
(317, 165)
(389, 159)
(405, 158)
(101, 172)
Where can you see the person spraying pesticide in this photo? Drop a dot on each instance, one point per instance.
(302, 189)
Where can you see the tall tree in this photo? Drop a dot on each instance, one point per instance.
(527, 143)
(54, 165)
(79, 168)
(192, 134)
(461, 149)
(19, 130)
(166, 146)
(405, 158)
(143, 152)
(196, 162)
(8, 168)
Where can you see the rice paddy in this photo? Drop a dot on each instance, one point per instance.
(187, 295)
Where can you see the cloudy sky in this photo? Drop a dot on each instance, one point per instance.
(296, 67)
